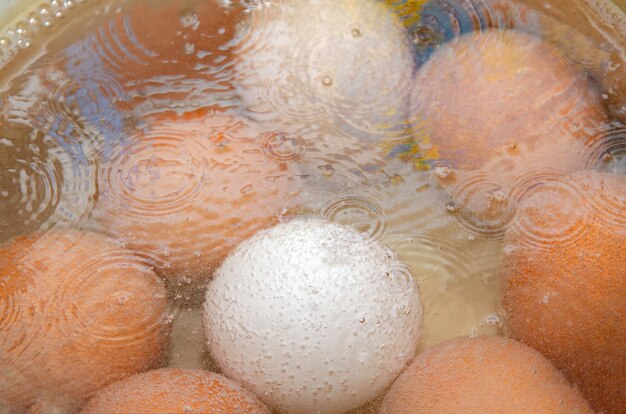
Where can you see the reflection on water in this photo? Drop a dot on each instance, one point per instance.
(147, 139)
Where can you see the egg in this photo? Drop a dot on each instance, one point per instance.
(482, 375)
(175, 391)
(347, 64)
(564, 281)
(387, 199)
(312, 317)
(78, 312)
(185, 192)
(501, 93)
(191, 39)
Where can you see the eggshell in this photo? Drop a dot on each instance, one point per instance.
(564, 281)
(149, 40)
(501, 92)
(313, 317)
(346, 63)
(77, 313)
(175, 391)
(482, 375)
(186, 192)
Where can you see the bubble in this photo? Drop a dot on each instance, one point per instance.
(190, 19)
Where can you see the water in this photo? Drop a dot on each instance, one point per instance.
(179, 129)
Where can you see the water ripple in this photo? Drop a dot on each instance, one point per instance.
(109, 283)
(606, 196)
(99, 309)
(443, 20)
(31, 181)
(188, 191)
(279, 146)
(181, 64)
(550, 211)
(361, 213)
(482, 204)
(609, 151)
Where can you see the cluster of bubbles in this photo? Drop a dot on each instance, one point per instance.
(22, 35)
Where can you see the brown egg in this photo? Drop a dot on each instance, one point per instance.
(156, 55)
(498, 93)
(77, 312)
(175, 391)
(177, 37)
(186, 192)
(565, 281)
(482, 375)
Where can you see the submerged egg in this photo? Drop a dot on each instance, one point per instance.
(482, 375)
(187, 192)
(565, 281)
(191, 38)
(175, 391)
(506, 94)
(344, 62)
(77, 312)
(313, 317)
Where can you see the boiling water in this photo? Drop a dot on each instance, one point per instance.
(83, 82)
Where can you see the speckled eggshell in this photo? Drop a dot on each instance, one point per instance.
(175, 391)
(313, 317)
(482, 375)
(564, 281)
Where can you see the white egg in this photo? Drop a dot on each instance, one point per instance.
(347, 63)
(313, 317)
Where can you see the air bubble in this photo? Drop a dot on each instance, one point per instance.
(444, 172)
(190, 19)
